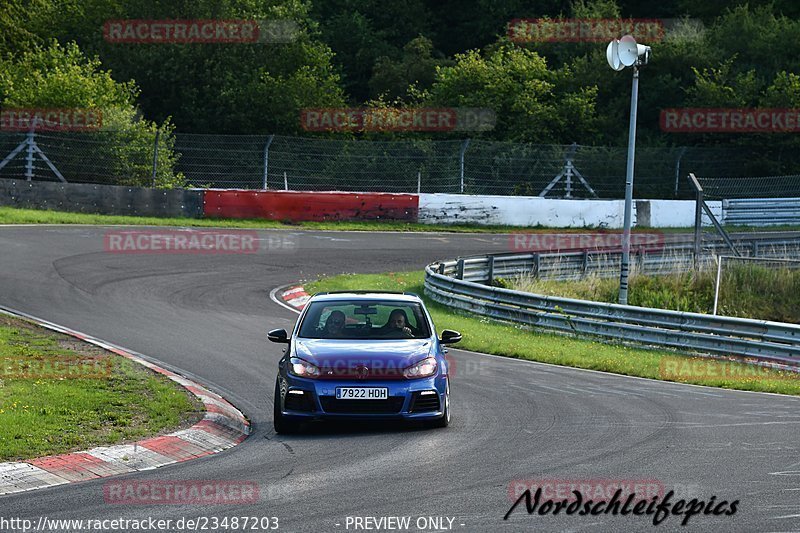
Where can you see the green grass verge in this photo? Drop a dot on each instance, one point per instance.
(747, 290)
(483, 335)
(11, 215)
(58, 394)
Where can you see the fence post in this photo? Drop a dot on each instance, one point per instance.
(29, 158)
(155, 157)
(419, 182)
(285, 182)
(266, 159)
(698, 222)
(678, 169)
(461, 158)
(490, 277)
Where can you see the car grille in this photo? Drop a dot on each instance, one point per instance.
(424, 403)
(299, 402)
(391, 405)
(357, 373)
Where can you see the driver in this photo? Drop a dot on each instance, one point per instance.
(397, 325)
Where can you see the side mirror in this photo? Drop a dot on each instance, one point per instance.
(278, 335)
(450, 337)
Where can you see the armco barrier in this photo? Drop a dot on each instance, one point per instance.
(761, 211)
(101, 199)
(654, 327)
(672, 257)
(297, 206)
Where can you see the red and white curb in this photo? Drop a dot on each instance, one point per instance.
(221, 428)
(293, 297)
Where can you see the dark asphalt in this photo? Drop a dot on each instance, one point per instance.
(208, 316)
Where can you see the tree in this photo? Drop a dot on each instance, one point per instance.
(62, 77)
(211, 87)
(392, 79)
(532, 102)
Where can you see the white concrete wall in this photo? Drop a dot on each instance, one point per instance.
(679, 213)
(520, 211)
(554, 212)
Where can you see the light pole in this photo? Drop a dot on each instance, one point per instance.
(620, 54)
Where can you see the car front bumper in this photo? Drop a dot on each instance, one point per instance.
(315, 399)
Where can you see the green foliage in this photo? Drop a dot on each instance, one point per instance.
(445, 53)
(59, 76)
(223, 88)
(532, 102)
(417, 68)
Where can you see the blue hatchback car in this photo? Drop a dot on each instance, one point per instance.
(363, 355)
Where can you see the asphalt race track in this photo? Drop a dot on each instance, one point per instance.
(207, 315)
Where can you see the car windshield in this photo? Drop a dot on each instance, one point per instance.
(359, 319)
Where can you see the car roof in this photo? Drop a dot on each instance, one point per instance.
(366, 295)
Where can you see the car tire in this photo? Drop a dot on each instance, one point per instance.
(444, 421)
(281, 424)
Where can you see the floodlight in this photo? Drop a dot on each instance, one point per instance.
(622, 53)
(612, 55)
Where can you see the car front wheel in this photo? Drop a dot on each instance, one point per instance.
(279, 421)
(444, 421)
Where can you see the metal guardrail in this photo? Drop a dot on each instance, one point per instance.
(463, 284)
(606, 263)
(761, 211)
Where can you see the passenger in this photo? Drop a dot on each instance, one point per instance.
(334, 326)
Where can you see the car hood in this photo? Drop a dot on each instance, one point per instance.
(340, 353)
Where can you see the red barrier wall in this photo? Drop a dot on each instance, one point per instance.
(297, 206)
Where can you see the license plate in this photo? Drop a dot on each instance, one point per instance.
(362, 393)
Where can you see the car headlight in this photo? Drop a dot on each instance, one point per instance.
(301, 368)
(425, 368)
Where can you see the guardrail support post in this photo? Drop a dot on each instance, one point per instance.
(535, 270)
(755, 248)
(441, 269)
(460, 269)
(490, 276)
(585, 263)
